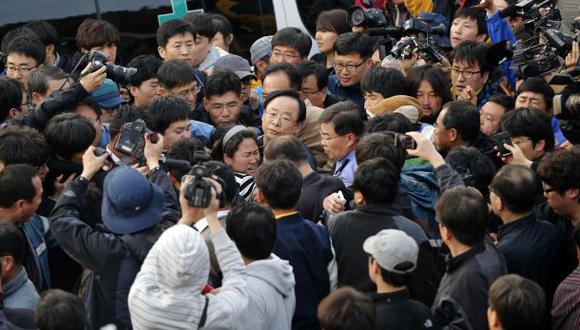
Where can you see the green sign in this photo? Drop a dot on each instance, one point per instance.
(179, 11)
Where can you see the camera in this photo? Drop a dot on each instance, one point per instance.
(425, 50)
(531, 58)
(499, 140)
(198, 192)
(527, 9)
(131, 139)
(371, 17)
(567, 106)
(405, 141)
(118, 73)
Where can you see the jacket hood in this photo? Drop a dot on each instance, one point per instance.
(275, 272)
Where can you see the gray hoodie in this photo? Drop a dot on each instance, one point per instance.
(271, 300)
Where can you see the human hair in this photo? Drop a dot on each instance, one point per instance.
(291, 94)
(222, 25)
(463, 117)
(438, 80)
(11, 96)
(313, 68)
(39, 77)
(183, 149)
(519, 303)
(127, 115)
(280, 182)
(394, 122)
(559, 169)
(472, 53)
(476, 169)
(167, 110)
(345, 117)
(91, 104)
(377, 180)
(475, 14)
(146, 65)
(16, 184)
(346, 309)
(253, 228)
(68, 134)
(18, 32)
(222, 82)
(354, 43)
(12, 242)
(224, 172)
(29, 46)
(463, 211)
(171, 28)
(233, 144)
(516, 186)
(539, 86)
(23, 145)
(60, 310)
(394, 279)
(385, 81)
(529, 122)
(293, 37)
(380, 144)
(291, 72)
(202, 24)
(334, 20)
(507, 102)
(46, 32)
(174, 73)
(286, 147)
(96, 33)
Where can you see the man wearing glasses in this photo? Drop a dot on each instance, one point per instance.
(23, 54)
(352, 59)
(290, 45)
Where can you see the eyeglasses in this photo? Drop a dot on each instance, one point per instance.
(349, 67)
(466, 74)
(13, 68)
(325, 136)
(308, 92)
(284, 119)
(288, 56)
(549, 190)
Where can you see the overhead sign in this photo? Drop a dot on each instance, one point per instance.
(179, 11)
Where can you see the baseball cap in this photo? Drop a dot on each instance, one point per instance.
(394, 250)
(107, 96)
(235, 63)
(131, 203)
(260, 48)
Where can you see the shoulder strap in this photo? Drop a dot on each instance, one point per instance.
(203, 314)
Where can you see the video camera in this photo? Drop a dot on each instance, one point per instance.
(132, 139)
(198, 192)
(526, 9)
(532, 58)
(117, 73)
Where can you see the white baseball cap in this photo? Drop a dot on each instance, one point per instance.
(393, 250)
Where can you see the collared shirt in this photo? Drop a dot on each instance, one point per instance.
(566, 309)
(19, 292)
(211, 57)
(345, 167)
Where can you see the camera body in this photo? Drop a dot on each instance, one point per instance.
(198, 192)
(499, 140)
(132, 139)
(117, 73)
(405, 141)
(370, 17)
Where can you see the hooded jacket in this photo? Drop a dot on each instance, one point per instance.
(166, 293)
(271, 299)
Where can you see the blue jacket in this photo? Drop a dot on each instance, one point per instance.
(20, 292)
(307, 247)
(38, 235)
(353, 93)
(498, 29)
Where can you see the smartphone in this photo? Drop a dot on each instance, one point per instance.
(499, 140)
(405, 141)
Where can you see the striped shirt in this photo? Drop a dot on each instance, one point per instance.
(566, 306)
(246, 184)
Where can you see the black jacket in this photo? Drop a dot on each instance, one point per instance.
(315, 187)
(461, 302)
(350, 229)
(113, 260)
(532, 249)
(57, 102)
(397, 310)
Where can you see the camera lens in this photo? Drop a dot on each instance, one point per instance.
(357, 17)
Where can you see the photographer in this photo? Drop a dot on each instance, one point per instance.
(175, 272)
(134, 214)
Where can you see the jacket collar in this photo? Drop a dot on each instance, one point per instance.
(16, 283)
(392, 297)
(453, 263)
(388, 209)
(527, 220)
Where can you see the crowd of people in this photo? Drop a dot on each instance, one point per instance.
(195, 188)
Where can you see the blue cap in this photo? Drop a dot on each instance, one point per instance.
(131, 203)
(107, 96)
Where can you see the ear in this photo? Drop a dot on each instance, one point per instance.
(496, 202)
(445, 233)
(481, 37)
(324, 92)
(492, 319)
(573, 193)
(163, 91)
(13, 113)
(205, 103)
(36, 97)
(229, 39)
(351, 139)
(359, 199)
(50, 49)
(162, 52)
(540, 146)
(133, 90)
(298, 127)
(260, 196)
(485, 77)
(228, 160)
(452, 134)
